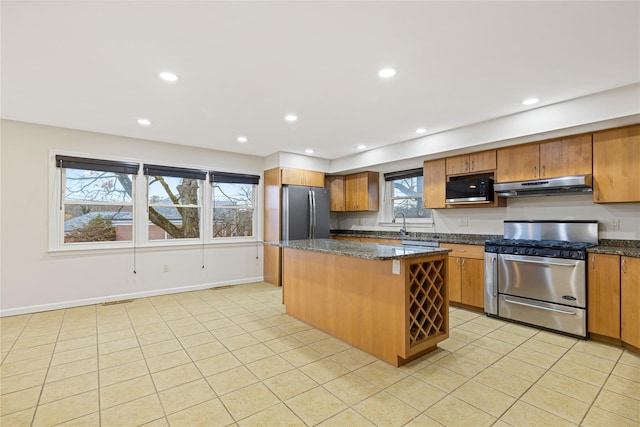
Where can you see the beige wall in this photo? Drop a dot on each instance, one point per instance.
(33, 278)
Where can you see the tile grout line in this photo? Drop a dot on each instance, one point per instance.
(35, 411)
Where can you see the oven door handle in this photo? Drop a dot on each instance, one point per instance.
(540, 262)
(572, 313)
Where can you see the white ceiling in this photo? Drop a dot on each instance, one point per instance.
(244, 65)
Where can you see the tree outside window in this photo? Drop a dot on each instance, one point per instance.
(406, 197)
(98, 206)
(174, 208)
(233, 207)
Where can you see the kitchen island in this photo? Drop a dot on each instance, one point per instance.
(388, 300)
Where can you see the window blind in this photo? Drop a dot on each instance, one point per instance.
(409, 173)
(233, 178)
(159, 170)
(96, 165)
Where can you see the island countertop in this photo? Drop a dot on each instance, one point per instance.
(374, 251)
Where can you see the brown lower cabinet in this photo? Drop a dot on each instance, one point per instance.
(630, 301)
(614, 297)
(466, 274)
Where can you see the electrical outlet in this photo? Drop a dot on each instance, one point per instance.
(165, 269)
(395, 266)
(614, 224)
(464, 222)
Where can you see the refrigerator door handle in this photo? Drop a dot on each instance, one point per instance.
(313, 218)
(310, 234)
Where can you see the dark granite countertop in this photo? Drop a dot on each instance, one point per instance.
(617, 247)
(607, 246)
(465, 239)
(372, 251)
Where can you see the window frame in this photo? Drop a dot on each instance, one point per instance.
(140, 217)
(57, 190)
(242, 179)
(389, 179)
(253, 211)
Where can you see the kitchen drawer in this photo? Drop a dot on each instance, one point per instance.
(464, 251)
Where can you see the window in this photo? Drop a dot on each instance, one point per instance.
(98, 204)
(174, 202)
(404, 191)
(232, 204)
(96, 199)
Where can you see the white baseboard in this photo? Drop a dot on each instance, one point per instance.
(134, 295)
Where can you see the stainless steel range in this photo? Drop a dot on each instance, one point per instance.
(536, 274)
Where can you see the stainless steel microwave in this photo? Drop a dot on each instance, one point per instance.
(470, 189)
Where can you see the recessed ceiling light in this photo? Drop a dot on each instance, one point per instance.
(291, 117)
(530, 101)
(168, 76)
(361, 146)
(421, 130)
(242, 139)
(308, 151)
(144, 122)
(386, 73)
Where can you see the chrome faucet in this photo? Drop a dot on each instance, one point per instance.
(403, 230)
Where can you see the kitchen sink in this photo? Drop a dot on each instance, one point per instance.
(410, 247)
(421, 243)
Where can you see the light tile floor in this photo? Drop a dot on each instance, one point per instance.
(232, 357)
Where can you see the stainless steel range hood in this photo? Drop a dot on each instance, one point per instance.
(545, 187)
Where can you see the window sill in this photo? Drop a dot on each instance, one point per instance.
(150, 247)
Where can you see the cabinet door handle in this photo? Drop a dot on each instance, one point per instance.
(472, 165)
(542, 171)
(535, 168)
(466, 166)
(623, 265)
(593, 262)
(598, 193)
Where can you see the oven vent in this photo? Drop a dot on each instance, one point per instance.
(545, 187)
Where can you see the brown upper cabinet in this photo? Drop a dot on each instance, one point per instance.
(616, 165)
(335, 184)
(361, 191)
(562, 157)
(434, 185)
(302, 177)
(471, 163)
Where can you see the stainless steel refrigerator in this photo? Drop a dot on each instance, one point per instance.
(305, 212)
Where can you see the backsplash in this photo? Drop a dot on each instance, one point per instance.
(489, 221)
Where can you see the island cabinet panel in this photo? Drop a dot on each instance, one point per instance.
(357, 300)
(630, 301)
(616, 165)
(395, 317)
(603, 278)
(434, 186)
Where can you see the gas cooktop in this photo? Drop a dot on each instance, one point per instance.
(543, 248)
(552, 244)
